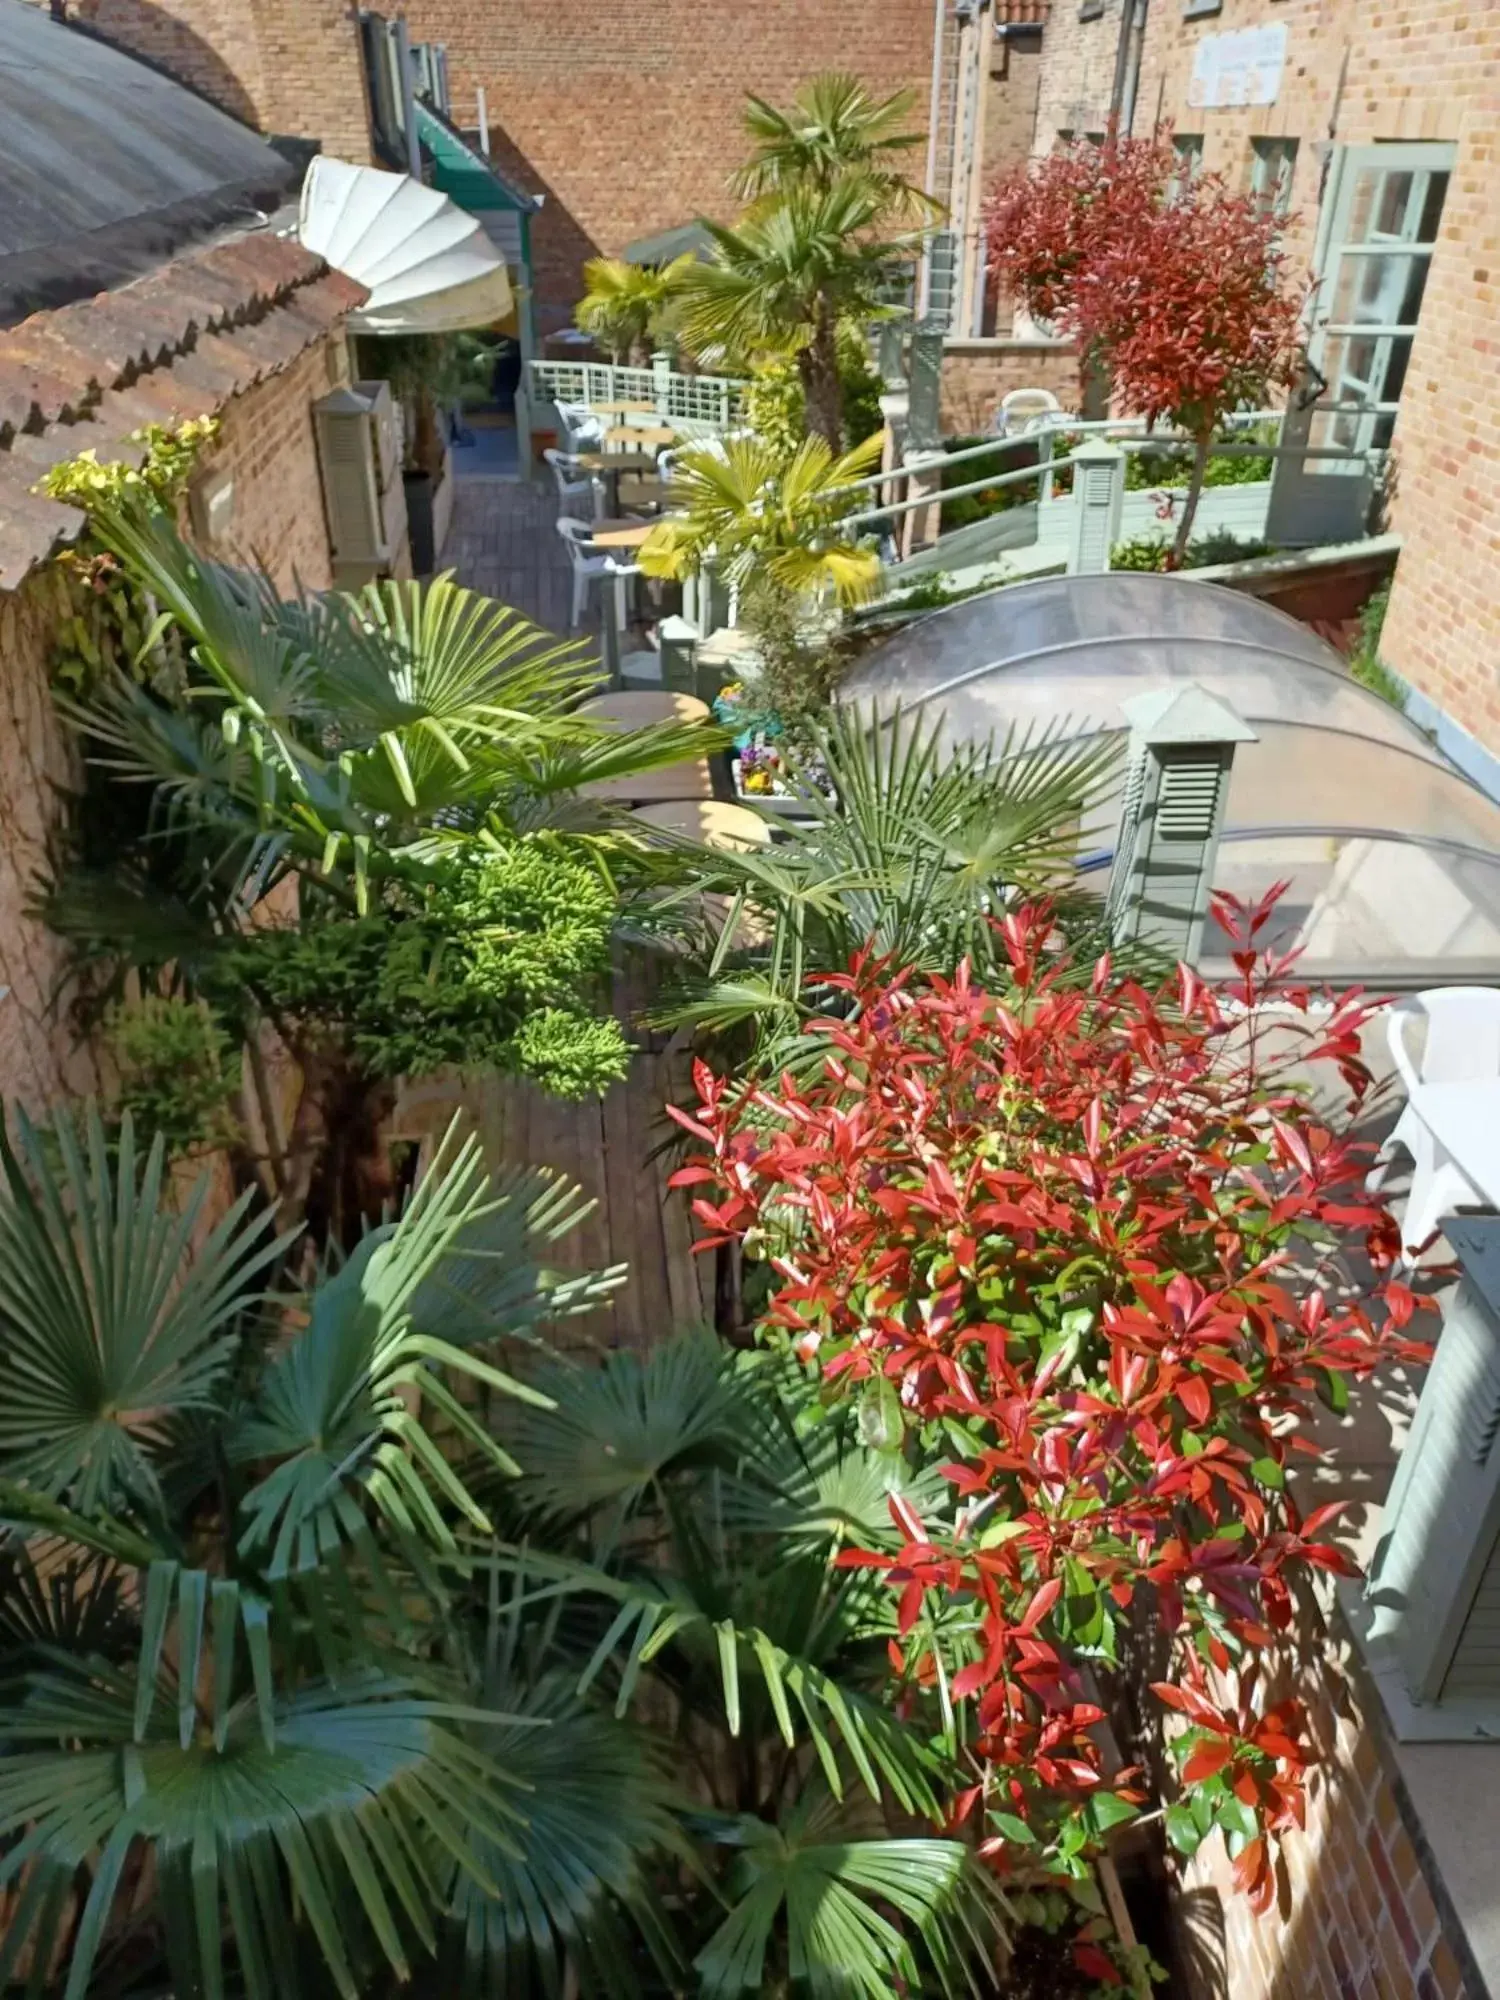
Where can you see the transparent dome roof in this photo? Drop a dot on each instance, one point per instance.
(1393, 857)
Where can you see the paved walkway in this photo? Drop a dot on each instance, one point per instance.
(503, 542)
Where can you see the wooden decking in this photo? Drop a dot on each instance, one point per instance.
(503, 543)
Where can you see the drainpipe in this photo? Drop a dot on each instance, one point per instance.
(408, 99)
(1127, 64)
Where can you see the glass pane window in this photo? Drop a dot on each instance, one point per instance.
(1273, 162)
(1376, 243)
(1188, 146)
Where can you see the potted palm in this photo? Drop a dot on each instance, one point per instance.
(773, 523)
(428, 373)
(628, 308)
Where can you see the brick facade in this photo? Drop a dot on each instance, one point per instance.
(1361, 1913)
(292, 68)
(1389, 70)
(628, 118)
(267, 443)
(977, 373)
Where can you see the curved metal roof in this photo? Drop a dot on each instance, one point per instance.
(1392, 855)
(107, 166)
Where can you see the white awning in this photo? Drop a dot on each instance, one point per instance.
(430, 267)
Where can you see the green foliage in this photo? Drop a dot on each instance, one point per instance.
(1219, 545)
(776, 403)
(111, 623)
(259, 1735)
(916, 850)
(1365, 663)
(627, 308)
(493, 958)
(178, 1070)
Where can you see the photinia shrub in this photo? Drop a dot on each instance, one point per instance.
(1174, 283)
(1090, 1245)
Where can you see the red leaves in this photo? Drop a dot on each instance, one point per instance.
(1175, 285)
(1059, 1222)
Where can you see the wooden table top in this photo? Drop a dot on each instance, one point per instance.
(714, 823)
(623, 409)
(620, 534)
(635, 708)
(640, 434)
(617, 461)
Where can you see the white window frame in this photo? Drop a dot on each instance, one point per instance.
(1332, 249)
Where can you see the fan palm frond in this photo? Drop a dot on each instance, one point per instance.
(833, 1896)
(339, 1410)
(117, 1310)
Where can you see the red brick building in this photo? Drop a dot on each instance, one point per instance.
(1377, 125)
(627, 118)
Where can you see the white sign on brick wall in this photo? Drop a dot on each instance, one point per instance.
(1239, 68)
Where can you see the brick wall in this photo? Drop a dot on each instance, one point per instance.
(627, 117)
(288, 67)
(977, 373)
(1370, 70)
(1011, 102)
(268, 445)
(1358, 1915)
(40, 1059)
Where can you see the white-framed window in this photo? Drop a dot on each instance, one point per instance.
(1376, 236)
(1188, 146)
(1273, 162)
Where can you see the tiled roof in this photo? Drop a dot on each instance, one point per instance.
(176, 344)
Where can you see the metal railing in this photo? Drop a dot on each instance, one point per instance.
(713, 401)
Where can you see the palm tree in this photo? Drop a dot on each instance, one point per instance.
(764, 515)
(834, 128)
(909, 848)
(625, 307)
(397, 777)
(252, 1733)
(684, 1509)
(796, 265)
(282, 1712)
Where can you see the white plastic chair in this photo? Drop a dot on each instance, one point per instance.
(1020, 409)
(579, 494)
(582, 429)
(1463, 1046)
(589, 566)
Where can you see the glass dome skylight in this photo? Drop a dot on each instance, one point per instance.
(1393, 856)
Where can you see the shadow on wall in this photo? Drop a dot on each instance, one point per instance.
(168, 45)
(560, 245)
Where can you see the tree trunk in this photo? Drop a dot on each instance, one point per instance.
(1190, 504)
(818, 366)
(426, 435)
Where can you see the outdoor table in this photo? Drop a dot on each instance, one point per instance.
(643, 434)
(716, 824)
(623, 409)
(638, 708)
(610, 464)
(619, 532)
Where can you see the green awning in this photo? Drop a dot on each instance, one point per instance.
(688, 239)
(461, 171)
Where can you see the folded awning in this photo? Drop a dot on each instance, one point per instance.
(429, 266)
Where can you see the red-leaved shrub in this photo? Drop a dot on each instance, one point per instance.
(1090, 1246)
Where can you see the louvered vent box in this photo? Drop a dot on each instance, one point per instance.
(359, 448)
(1430, 1615)
(1182, 746)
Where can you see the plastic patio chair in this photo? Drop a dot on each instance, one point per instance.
(579, 494)
(590, 565)
(582, 430)
(1463, 1046)
(1021, 408)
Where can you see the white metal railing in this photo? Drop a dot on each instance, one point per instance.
(713, 401)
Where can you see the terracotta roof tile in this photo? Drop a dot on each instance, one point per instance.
(178, 343)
